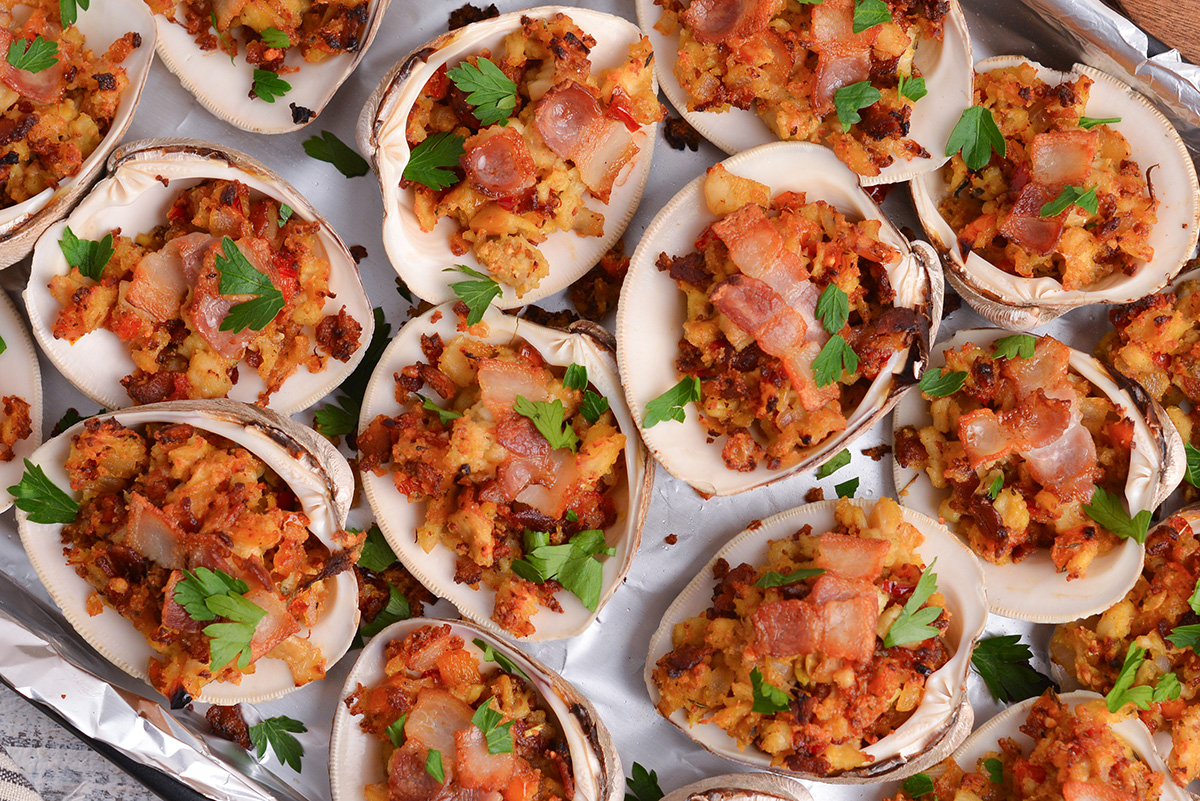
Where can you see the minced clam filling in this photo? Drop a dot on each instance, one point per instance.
(569, 138)
(160, 295)
(51, 120)
(787, 60)
(1021, 448)
(996, 212)
(432, 689)
(818, 639)
(1076, 756)
(1094, 650)
(752, 336)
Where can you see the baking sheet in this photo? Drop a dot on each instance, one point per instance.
(606, 662)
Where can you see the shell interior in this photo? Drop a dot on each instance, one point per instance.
(133, 199)
(1007, 724)
(960, 580)
(419, 257)
(19, 366)
(399, 519)
(946, 66)
(356, 758)
(1033, 589)
(114, 636)
(653, 309)
(21, 224)
(222, 85)
(1153, 141)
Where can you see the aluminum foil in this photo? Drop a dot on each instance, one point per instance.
(42, 657)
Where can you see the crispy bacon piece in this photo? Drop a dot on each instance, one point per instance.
(840, 629)
(497, 162)
(1062, 157)
(571, 122)
(843, 57)
(501, 382)
(984, 437)
(275, 627)
(475, 768)
(832, 587)
(152, 535)
(434, 720)
(758, 249)
(407, 778)
(1094, 791)
(855, 558)
(1025, 224)
(718, 21)
(174, 616)
(162, 278)
(45, 87)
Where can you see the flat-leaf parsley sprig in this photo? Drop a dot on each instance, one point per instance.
(240, 277)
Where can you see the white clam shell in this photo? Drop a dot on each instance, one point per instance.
(420, 258)
(399, 519)
(1007, 724)
(19, 366)
(946, 66)
(1033, 589)
(23, 223)
(356, 758)
(943, 718)
(1018, 303)
(742, 787)
(133, 199)
(223, 87)
(312, 468)
(653, 309)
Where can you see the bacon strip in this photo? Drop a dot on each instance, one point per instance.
(45, 87)
(1025, 224)
(843, 57)
(855, 558)
(1094, 791)
(840, 629)
(500, 382)
(758, 249)
(1062, 157)
(208, 307)
(718, 21)
(161, 279)
(572, 124)
(497, 162)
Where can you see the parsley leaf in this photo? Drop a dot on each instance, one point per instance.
(276, 733)
(548, 420)
(571, 516)
(226, 44)
(490, 654)
(207, 595)
(869, 13)
(669, 405)
(594, 405)
(995, 487)
(775, 579)
(69, 13)
(913, 624)
(32, 56)
(940, 383)
(445, 415)
(285, 214)
(328, 147)
(268, 85)
(1193, 465)
(1194, 598)
(1003, 664)
(376, 555)
(573, 564)
(89, 256)
(240, 277)
(492, 93)
(397, 609)
(643, 785)
(395, 731)
(850, 99)
(833, 308)
(431, 163)
(4, 347)
(197, 586)
(918, 784)
(1017, 345)
(342, 419)
(1107, 509)
(1167, 688)
(1088, 123)
(976, 135)
(335, 421)
(575, 377)
(41, 498)
(1123, 691)
(995, 770)
(839, 460)
(835, 358)
(499, 735)
(847, 488)
(273, 37)
(768, 699)
(70, 416)
(912, 88)
(402, 290)
(1069, 196)
(1185, 636)
(433, 766)
(478, 295)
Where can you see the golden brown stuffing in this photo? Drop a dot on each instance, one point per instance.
(16, 424)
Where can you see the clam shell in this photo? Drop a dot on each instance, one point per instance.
(1007, 724)
(222, 86)
(946, 66)
(1032, 589)
(309, 464)
(134, 199)
(19, 366)
(1020, 304)
(419, 258)
(944, 717)
(22, 224)
(356, 758)
(652, 311)
(398, 519)
(742, 787)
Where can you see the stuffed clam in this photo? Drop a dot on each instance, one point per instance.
(489, 451)
(264, 67)
(753, 72)
(197, 545)
(20, 401)
(776, 290)
(1056, 746)
(531, 183)
(194, 272)
(873, 609)
(1083, 193)
(68, 102)
(742, 787)
(1044, 461)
